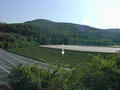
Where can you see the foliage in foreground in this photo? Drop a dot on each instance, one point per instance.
(4, 87)
(98, 74)
(33, 78)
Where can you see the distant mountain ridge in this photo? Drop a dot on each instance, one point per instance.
(80, 28)
(42, 31)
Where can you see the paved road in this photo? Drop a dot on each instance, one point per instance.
(85, 48)
(8, 60)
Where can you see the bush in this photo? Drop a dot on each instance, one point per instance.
(12, 45)
(32, 78)
(4, 87)
(1, 45)
(97, 74)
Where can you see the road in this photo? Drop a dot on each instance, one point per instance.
(8, 60)
(85, 48)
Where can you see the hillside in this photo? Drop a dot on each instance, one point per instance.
(40, 31)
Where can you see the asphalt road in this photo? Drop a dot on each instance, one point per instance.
(8, 60)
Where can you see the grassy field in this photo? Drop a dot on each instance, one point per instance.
(53, 56)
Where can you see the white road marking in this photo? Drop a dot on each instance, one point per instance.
(11, 57)
(7, 60)
(4, 69)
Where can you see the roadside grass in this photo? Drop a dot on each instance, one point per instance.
(54, 56)
(3, 77)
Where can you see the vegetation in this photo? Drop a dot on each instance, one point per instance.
(97, 74)
(53, 56)
(4, 87)
(89, 71)
(36, 32)
(12, 40)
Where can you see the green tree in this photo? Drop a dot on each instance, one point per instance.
(33, 78)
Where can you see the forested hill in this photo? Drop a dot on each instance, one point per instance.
(41, 31)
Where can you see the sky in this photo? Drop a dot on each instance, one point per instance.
(95, 13)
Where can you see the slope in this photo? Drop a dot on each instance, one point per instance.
(40, 31)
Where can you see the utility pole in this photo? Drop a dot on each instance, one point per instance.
(63, 49)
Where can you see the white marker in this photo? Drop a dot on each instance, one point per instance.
(62, 49)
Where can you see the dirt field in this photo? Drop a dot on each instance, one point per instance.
(85, 48)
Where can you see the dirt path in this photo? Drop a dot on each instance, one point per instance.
(85, 48)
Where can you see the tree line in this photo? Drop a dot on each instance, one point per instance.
(42, 32)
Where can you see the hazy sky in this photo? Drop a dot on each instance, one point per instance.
(96, 13)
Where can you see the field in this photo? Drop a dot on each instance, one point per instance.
(53, 56)
(102, 49)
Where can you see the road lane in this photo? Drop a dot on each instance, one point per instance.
(8, 60)
(17, 59)
(4, 69)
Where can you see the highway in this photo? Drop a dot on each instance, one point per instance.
(8, 60)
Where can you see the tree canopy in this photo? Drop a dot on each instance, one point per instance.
(42, 32)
